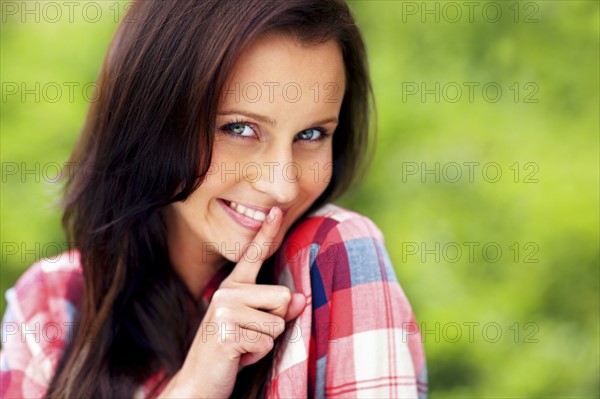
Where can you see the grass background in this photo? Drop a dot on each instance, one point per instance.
(543, 300)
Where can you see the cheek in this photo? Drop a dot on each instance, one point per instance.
(225, 166)
(191, 210)
(316, 175)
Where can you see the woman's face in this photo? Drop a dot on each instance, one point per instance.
(273, 146)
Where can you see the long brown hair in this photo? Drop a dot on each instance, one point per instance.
(146, 143)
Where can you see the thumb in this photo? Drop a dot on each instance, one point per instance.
(296, 306)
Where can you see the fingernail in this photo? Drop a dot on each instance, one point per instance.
(272, 213)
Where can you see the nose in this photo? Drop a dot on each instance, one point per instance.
(278, 176)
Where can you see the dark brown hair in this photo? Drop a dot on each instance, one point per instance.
(146, 143)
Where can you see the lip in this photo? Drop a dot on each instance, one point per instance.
(242, 220)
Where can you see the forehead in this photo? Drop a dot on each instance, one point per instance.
(279, 68)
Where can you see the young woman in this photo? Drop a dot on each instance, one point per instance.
(206, 260)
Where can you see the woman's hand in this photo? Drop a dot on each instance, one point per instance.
(240, 324)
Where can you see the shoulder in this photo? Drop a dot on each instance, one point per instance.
(53, 286)
(359, 311)
(54, 272)
(38, 321)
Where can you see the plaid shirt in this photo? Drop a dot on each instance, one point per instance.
(357, 336)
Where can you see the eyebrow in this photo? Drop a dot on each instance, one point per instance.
(269, 121)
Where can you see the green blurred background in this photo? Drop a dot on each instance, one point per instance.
(523, 322)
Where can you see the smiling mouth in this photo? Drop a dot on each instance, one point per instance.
(253, 214)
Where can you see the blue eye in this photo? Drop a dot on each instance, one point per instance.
(245, 130)
(239, 129)
(310, 135)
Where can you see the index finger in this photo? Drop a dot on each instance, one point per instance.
(259, 249)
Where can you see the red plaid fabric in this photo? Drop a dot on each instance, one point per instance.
(357, 336)
(37, 323)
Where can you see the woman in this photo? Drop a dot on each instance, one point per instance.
(207, 262)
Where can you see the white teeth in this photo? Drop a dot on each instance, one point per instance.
(251, 213)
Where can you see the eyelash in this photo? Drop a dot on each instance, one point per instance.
(223, 129)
